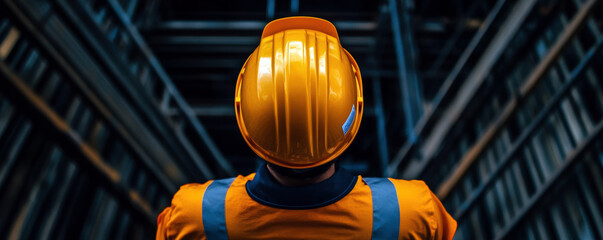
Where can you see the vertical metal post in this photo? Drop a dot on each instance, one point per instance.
(380, 119)
(408, 39)
(270, 5)
(407, 94)
(294, 6)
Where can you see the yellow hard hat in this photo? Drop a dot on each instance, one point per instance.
(298, 98)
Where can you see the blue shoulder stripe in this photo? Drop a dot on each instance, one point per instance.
(386, 210)
(214, 200)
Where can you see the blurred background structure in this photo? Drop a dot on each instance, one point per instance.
(107, 106)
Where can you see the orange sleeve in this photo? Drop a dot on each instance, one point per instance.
(446, 225)
(183, 219)
(162, 226)
(422, 215)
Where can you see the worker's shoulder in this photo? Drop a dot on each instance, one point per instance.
(410, 186)
(192, 193)
(406, 190)
(411, 192)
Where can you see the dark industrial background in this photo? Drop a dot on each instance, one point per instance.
(108, 106)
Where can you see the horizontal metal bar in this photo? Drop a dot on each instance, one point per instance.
(424, 25)
(213, 111)
(196, 62)
(251, 25)
(535, 77)
(203, 40)
(168, 50)
(179, 100)
(530, 129)
(87, 157)
(572, 159)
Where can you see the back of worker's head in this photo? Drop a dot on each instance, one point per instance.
(298, 97)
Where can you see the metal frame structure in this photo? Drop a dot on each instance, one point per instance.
(153, 76)
(69, 92)
(520, 126)
(524, 92)
(404, 154)
(97, 131)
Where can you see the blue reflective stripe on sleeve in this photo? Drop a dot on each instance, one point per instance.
(214, 200)
(386, 210)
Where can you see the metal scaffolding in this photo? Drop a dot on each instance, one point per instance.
(86, 139)
(107, 106)
(526, 117)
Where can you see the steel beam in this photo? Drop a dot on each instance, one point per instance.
(179, 100)
(405, 85)
(205, 40)
(213, 78)
(196, 62)
(294, 7)
(250, 25)
(85, 155)
(473, 83)
(405, 151)
(380, 122)
(375, 73)
(140, 100)
(270, 9)
(571, 160)
(451, 43)
(408, 38)
(211, 111)
(181, 25)
(475, 80)
(380, 31)
(576, 76)
(525, 91)
(91, 97)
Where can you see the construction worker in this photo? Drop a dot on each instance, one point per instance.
(298, 104)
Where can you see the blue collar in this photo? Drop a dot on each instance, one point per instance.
(266, 190)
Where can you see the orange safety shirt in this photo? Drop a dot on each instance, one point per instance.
(344, 206)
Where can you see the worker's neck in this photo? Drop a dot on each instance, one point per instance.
(293, 182)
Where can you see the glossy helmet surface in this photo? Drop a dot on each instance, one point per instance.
(298, 97)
